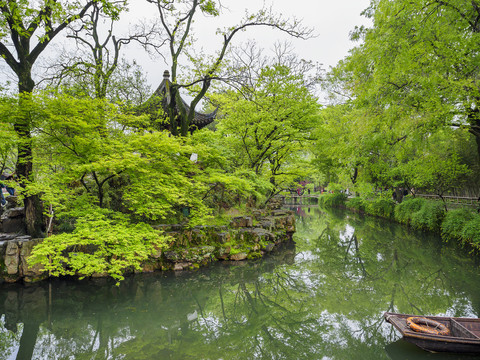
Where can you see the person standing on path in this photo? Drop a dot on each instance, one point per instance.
(9, 189)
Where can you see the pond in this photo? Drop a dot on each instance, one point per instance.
(322, 298)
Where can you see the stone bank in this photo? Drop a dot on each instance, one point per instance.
(246, 237)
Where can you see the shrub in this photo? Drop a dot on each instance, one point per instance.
(380, 207)
(102, 242)
(454, 223)
(333, 200)
(471, 231)
(429, 217)
(356, 203)
(405, 210)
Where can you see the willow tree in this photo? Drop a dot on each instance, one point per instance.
(422, 60)
(177, 17)
(26, 30)
(414, 75)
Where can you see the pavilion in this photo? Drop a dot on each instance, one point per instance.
(161, 97)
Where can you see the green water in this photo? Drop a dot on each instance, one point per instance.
(320, 299)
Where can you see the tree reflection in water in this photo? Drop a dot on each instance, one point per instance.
(321, 298)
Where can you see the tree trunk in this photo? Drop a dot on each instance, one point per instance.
(28, 340)
(354, 176)
(24, 168)
(474, 120)
(172, 113)
(477, 139)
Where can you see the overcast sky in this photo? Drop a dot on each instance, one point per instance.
(332, 21)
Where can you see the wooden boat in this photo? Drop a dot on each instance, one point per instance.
(464, 333)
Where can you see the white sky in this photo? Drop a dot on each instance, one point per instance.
(331, 19)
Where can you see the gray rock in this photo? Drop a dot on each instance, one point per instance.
(12, 258)
(31, 273)
(181, 266)
(12, 201)
(276, 202)
(241, 221)
(223, 253)
(238, 257)
(162, 227)
(262, 234)
(269, 247)
(223, 237)
(99, 275)
(255, 235)
(6, 237)
(14, 213)
(13, 225)
(171, 255)
(266, 224)
(23, 238)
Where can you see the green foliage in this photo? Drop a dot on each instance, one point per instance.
(336, 199)
(436, 172)
(105, 179)
(454, 222)
(406, 119)
(209, 7)
(103, 242)
(87, 147)
(267, 129)
(471, 232)
(429, 217)
(106, 176)
(377, 206)
(461, 225)
(228, 182)
(356, 203)
(8, 142)
(380, 207)
(409, 206)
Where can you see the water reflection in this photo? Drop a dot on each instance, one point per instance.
(321, 299)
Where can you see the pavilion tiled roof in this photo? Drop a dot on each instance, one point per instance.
(200, 120)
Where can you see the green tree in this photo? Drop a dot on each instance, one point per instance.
(269, 125)
(421, 58)
(106, 183)
(177, 19)
(8, 146)
(413, 76)
(437, 169)
(26, 29)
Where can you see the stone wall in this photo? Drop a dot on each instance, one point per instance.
(12, 217)
(15, 246)
(14, 251)
(246, 237)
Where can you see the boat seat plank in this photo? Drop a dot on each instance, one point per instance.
(459, 330)
(471, 325)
